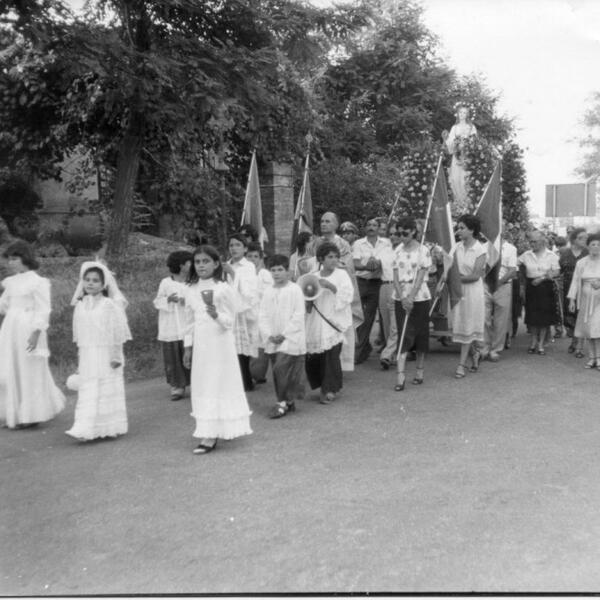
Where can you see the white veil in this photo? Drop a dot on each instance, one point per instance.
(110, 284)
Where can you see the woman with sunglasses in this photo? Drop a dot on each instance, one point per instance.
(411, 298)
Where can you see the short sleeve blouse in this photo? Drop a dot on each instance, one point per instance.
(538, 265)
(408, 263)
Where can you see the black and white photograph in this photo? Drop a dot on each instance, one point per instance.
(299, 297)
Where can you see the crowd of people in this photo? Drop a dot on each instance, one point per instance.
(309, 316)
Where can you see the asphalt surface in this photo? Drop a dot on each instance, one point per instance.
(491, 483)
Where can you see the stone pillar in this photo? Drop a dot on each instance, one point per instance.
(277, 195)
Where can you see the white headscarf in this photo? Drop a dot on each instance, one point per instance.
(110, 284)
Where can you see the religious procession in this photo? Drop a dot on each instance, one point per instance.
(299, 296)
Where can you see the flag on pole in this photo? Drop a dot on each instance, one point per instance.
(440, 231)
(303, 219)
(489, 211)
(252, 211)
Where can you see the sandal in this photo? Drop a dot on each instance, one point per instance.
(590, 364)
(475, 359)
(418, 380)
(399, 387)
(542, 352)
(571, 349)
(531, 350)
(579, 354)
(204, 448)
(460, 371)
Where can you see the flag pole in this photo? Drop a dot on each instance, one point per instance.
(404, 325)
(396, 200)
(252, 159)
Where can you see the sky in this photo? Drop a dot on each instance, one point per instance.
(541, 56)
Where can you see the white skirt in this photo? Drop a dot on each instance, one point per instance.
(100, 410)
(28, 393)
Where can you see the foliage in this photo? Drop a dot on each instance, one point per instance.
(355, 192)
(418, 168)
(591, 142)
(479, 159)
(514, 189)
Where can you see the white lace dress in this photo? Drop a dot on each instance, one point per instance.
(27, 391)
(99, 329)
(219, 403)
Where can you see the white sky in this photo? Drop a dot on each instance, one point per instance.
(543, 56)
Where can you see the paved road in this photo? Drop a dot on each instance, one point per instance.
(489, 483)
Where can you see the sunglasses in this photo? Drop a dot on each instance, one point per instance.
(404, 232)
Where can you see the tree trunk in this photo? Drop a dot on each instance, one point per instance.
(128, 164)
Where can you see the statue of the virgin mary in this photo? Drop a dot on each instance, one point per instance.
(461, 130)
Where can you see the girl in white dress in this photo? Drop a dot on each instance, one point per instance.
(99, 329)
(241, 275)
(326, 324)
(468, 316)
(28, 395)
(219, 404)
(584, 295)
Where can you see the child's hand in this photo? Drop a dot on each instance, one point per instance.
(182, 301)
(211, 310)
(173, 297)
(187, 357)
(228, 270)
(32, 342)
(115, 364)
(276, 339)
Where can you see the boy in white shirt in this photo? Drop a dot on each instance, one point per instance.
(171, 321)
(282, 331)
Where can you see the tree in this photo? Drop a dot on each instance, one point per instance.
(591, 142)
(157, 83)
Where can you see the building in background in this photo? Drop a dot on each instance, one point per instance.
(573, 204)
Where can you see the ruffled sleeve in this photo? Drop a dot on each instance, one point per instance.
(4, 298)
(576, 281)
(264, 310)
(41, 305)
(295, 325)
(225, 306)
(188, 318)
(117, 323)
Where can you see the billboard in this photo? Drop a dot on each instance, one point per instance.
(571, 200)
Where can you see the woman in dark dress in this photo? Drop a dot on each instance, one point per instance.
(567, 260)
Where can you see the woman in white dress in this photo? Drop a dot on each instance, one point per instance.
(461, 130)
(468, 315)
(584, 296)
(99, 329)
(326, 322)
(219, 403)
(28, 394)
(241, 275)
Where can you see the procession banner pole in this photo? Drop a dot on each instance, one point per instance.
(403, 334)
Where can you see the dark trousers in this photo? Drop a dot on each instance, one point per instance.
(245, 369)
(177, 375)
(369, 298)
(324, 370)
(288, 376)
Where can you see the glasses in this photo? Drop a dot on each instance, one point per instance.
(344, 232)
(404, 232)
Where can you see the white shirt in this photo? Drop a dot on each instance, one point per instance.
(282, 312)
(538, 266)
(171, 315)
(508, 260)
(387, 258)
(363, 250)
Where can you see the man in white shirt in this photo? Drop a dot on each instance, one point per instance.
(498, 304)
(367, 253)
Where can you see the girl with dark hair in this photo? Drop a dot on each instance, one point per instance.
(241, 275)
(28, 395)
(169, 303)
(412, 298)
(468, 315)
(326, 323)
(99, 329)
(219, 404)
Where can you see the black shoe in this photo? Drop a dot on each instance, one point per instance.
(385, 364)
(204, 448)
